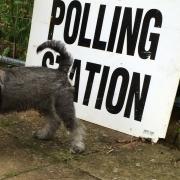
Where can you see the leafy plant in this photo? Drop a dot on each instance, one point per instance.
(15, 22)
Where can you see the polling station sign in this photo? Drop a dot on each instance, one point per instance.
(126, 59)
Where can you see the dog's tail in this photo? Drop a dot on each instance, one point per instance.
(65, 57)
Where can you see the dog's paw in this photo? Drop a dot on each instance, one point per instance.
(77, 147)
(42, 134)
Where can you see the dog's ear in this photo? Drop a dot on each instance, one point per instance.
(2, 76)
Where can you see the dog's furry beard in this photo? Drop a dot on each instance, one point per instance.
(45, 90)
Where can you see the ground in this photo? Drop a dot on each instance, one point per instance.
(110, 155)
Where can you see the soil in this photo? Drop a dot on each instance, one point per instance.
(110, 155)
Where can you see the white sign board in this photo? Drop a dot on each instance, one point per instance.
(126, 56)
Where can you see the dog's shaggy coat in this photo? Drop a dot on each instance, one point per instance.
(45, 90)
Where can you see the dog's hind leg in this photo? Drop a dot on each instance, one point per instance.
(77, 136)
(65, 109)
(48, 131)
(51, 126)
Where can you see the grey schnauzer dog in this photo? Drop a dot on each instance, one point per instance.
(45, 90)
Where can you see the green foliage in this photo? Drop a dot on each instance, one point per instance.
(178, 130)
(6, 51)
(15, 22)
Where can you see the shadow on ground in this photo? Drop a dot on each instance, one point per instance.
(110, 155)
